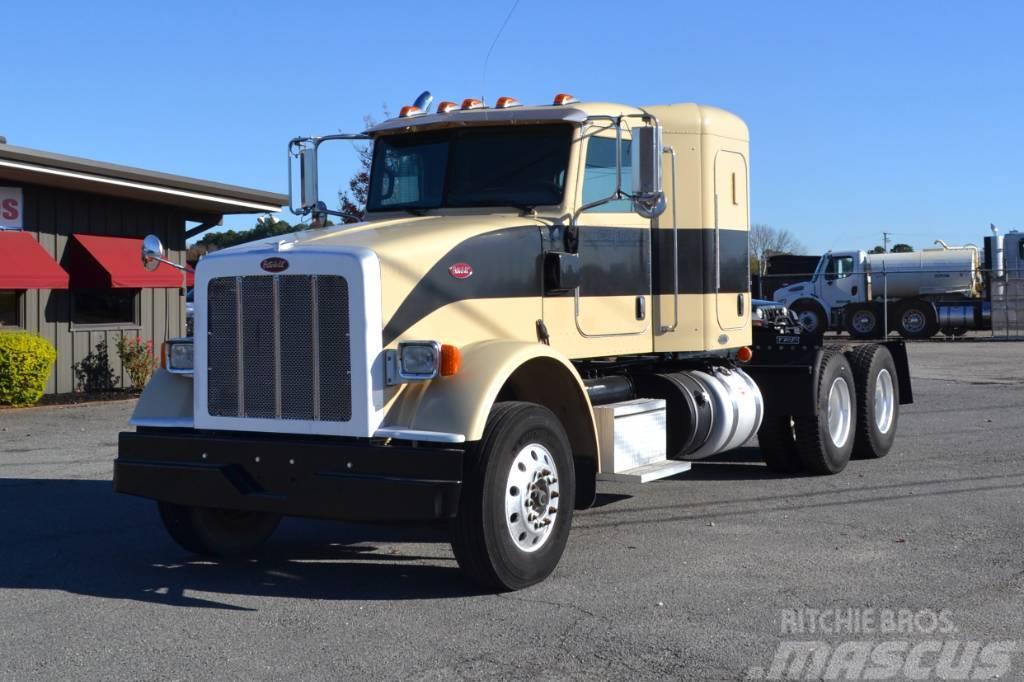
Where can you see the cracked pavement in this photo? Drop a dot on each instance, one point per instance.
(681, 578)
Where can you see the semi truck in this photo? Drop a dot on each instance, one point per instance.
(527, 307)
(918, 294)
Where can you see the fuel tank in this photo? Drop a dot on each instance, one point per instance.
(708, 411)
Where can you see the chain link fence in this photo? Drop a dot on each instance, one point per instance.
(932, 303)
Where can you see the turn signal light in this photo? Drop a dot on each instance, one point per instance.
(410, 110)
(470, 103)
(744, 354)
(563, 98)
(506, 102)
(451, 360)
(445, 107)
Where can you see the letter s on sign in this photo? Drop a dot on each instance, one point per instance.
(9, 209)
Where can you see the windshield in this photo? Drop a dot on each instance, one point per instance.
(523, 167)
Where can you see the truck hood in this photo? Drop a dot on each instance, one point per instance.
(426, 260)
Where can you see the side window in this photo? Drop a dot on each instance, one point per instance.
(599, 174)
(9, 309)
(839, 267)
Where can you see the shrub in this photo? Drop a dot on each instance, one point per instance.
(94, 372)
(137, 359)
(26, 361)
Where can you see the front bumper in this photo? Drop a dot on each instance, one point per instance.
(350, 480)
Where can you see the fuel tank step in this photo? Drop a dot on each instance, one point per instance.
(647, 472)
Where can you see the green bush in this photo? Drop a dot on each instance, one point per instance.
(25, 364)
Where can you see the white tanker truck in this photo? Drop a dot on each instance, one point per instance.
(947, 288)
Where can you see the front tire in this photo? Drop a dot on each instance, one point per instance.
(825, 439)
(517, 499)
(217, 532)
(878, 400)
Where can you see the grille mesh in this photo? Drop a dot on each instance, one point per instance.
(279, 348)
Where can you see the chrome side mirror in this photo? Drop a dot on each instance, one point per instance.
(648, 192)
(308, 185)
(153, 252)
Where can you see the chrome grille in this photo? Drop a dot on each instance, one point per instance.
(279, 348)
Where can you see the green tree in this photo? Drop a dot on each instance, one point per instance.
(877, 249)
(902, 248)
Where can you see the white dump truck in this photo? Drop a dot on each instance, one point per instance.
(948, 288)
(525, 308)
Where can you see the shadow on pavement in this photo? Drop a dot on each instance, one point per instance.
(82, 537)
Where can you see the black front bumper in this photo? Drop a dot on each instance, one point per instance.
(344, 479)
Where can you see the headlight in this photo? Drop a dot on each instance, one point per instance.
(179, 356)
(419, 359)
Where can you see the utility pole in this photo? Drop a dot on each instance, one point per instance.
(885, 241)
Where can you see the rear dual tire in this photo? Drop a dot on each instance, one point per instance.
(878, 400)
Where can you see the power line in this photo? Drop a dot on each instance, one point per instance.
(487, 59)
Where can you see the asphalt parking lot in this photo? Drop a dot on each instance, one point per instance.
(689, 577)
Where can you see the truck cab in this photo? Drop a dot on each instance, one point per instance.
(839, 280)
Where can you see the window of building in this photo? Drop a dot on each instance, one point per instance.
(599, 174)
(10, 308)
(105, 307)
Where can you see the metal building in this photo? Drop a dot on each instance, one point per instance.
(70, 239)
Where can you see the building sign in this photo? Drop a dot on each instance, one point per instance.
(10, 207)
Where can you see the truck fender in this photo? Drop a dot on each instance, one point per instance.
(499, 370)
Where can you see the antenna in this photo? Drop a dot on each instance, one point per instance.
(487, 59)
(885, 241)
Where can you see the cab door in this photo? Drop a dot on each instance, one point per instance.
(611, 308)
(731, 241)
(839, 287)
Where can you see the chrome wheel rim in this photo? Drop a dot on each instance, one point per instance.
(808, 320)
(885, 401)
(531, 497)
(863, 322)
(913, 320)
(839, 411)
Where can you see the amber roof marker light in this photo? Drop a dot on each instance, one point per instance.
(564, 98)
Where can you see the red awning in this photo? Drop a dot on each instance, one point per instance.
(102, 262)
(24, 264)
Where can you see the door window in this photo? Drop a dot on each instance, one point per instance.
(599, 174)
(839, 267)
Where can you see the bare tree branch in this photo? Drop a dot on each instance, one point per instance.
(766, 240)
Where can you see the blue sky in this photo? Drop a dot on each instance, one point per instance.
(864, 117)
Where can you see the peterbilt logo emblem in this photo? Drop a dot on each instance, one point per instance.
(460, 270)
(274, 264)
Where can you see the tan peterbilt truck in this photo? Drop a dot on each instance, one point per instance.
(527, 307)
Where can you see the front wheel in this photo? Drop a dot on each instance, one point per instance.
(517, 499)
(217, 532)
